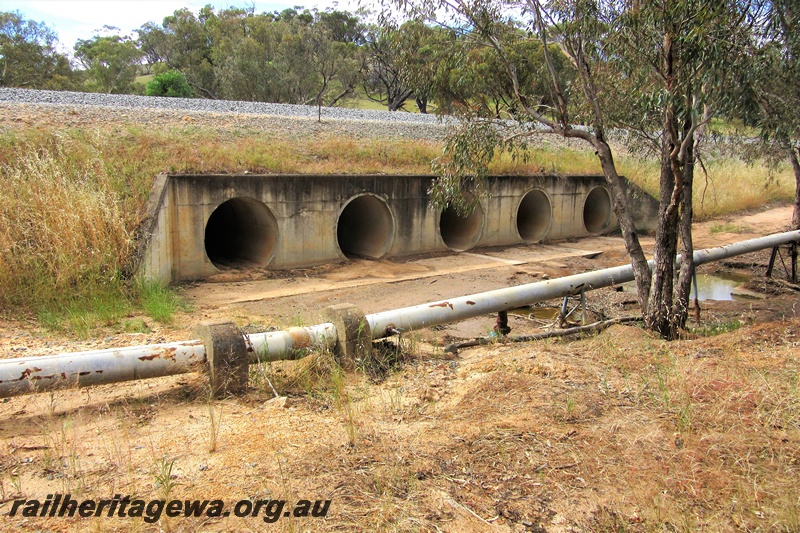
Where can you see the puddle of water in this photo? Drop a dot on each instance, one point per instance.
(542, 313)
(716, 287)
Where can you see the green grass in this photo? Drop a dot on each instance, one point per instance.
(112, 307)
(144, 80)
(84, 315)
(716, 328)
(361, 101)
(159, 302)
(730, 228)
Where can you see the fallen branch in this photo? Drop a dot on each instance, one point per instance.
(593, 327)
(783, 283)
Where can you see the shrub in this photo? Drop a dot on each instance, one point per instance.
(170, 83)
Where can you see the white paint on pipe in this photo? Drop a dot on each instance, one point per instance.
(81, 369)
(464, 307)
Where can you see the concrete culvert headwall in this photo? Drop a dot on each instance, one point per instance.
(461, 232)
(198, 224)
(365, 227)
(241, 232)
(534, 216)
(597, 210)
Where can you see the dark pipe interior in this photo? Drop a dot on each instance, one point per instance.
(461, 232)
(534, 216)
(365, 228)
(597, 210)
(241, 232)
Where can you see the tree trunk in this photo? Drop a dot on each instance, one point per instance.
(341, 95)
(793, 156)
(422, 104)
(641, 270)
(396, 101)
(687, 247)
(659, 309)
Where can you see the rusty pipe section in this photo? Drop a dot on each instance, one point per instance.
(100, 367)
(82, 369)
(294, 343)
(446, 311)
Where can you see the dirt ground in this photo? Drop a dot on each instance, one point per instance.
(614, 432)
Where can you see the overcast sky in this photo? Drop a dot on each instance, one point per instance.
(79, 19)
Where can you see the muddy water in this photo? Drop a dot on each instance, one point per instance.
(542, 313)
(717, 286)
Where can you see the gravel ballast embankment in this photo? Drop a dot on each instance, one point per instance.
(24, 106)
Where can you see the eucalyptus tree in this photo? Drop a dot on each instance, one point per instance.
(654, 66)
(681, 55)
(111, 62)
(246, 59)
(336, 67)
(767, 85)
(28, 55)
(574, 100)
(384, 80)
(306, 57)
(185, 42)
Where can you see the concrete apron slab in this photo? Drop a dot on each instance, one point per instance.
(362, 273)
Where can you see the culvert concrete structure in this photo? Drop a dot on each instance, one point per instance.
(365, 227)
(597, 210)
(201, 224)
(241, 232)
(459, 231)
(534, 216)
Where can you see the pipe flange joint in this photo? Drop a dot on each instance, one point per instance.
(226, 357)
(353, 334)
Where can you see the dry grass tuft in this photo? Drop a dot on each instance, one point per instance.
(62, 224)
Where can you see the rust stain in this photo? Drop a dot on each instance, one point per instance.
(300, 337)
(470, 302)
(443, 304)
(149, 357)
(27, 372)
(170, 353)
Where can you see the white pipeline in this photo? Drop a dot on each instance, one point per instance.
(81, 369)
(464, 307)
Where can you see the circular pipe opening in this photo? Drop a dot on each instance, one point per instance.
(460, 232)
(597, 210)
(241, 232)
(534, 216)
(365, 228)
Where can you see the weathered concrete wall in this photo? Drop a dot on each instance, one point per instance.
(201, 224)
